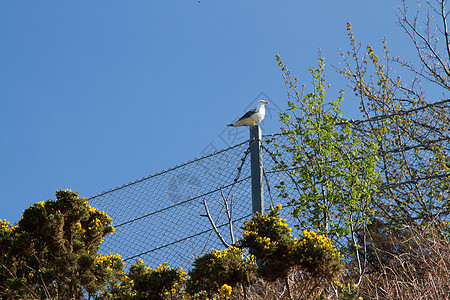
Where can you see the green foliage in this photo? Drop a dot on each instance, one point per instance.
(413, 141)
(53, 250)
(156, 283)
(108, 271)
(269, 239)
(143, 282)
(219, 267)
(316, 253)
(331, 169)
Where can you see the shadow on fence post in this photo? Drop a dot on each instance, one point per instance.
(256, 170)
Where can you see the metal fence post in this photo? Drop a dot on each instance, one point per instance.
(256, 170)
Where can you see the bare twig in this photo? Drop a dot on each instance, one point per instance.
(229, 210)
(214, 225)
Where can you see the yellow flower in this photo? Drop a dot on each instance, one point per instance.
(225, 291)
(4, 224)
(279, 206)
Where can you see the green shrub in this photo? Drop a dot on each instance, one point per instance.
(269, 239)
(317, 254)
(211, 271)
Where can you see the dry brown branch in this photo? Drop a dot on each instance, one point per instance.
(416, 266)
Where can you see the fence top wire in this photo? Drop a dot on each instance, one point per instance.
(166, 171)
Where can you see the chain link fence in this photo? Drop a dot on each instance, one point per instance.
(162, 218)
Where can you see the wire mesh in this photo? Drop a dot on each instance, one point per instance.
(161, 218)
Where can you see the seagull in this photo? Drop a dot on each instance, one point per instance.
(252, 117)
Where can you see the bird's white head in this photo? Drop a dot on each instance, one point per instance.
(261, 103)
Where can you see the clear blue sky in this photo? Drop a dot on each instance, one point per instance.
(95, 94)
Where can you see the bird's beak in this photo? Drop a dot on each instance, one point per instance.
(266, 102)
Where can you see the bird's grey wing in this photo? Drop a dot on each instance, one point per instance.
(248, 114)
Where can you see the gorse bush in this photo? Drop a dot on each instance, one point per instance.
(160, 283)
(317, 254)
(53, 253)
(219, 267)
(53, 250)
(269, 242)
(269, 239)
(142, 282)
